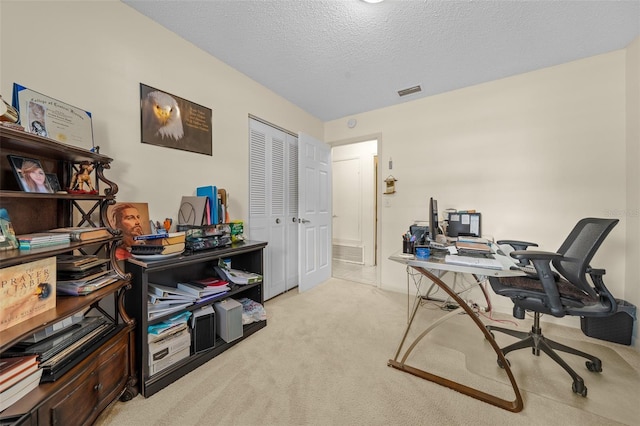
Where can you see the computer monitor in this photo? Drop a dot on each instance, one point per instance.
(433, 219)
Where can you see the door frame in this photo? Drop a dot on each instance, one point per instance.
(378, 184)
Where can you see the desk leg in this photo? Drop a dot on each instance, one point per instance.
(514, 406)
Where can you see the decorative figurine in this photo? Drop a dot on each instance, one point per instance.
(82, 177)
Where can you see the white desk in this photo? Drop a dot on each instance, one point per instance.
(434, 268)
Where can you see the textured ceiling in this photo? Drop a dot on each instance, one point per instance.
(336, 58)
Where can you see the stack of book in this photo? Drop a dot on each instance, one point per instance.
(163, 300)
(18, 376)
(42, 239)
(58, 353)
(205, 289)
(83, 274)
(159, 244)
(83, 233)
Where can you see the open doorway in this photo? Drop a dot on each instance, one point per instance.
(354, 216)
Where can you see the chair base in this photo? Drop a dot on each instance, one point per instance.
(537, 342)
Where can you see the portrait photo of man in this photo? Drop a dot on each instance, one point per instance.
(133, 220)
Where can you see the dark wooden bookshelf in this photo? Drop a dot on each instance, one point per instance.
(103, 370)
(246, 256)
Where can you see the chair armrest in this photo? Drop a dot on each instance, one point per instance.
(542, 262)
(518, 245)
(535, 255)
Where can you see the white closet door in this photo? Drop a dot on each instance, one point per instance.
(271, 218)
(292, 214)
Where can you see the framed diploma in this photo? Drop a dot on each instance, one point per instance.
(52, 118)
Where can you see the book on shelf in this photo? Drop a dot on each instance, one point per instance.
(80, 263)
(83, 233)
(35, 295)
(210, 282)
(8, 239)
(42, 239)
(155, 299)
(13, 369)
(145, 249)
(85, 286)
(163, 239)
(82, 275)
(200, 291)
(150, 237)
(167, 291)
(211, 192)
(162, 308)
(154, 315)
(16, 392)
(75, 260)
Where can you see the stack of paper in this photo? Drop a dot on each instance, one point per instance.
(42, 239)
(164, 300)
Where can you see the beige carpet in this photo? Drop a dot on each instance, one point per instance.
(322, 360)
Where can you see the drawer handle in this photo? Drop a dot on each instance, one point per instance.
(98, 387)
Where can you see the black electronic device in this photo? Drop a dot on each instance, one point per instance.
(433, 219)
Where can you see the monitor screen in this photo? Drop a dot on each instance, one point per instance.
(433, 219)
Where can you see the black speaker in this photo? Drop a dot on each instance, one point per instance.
(203, 333)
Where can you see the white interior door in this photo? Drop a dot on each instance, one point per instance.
(314, 207)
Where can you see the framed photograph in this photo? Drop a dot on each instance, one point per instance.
(30, 174)
(130, 218)
(170, 121)
(53, 182)
(53, 119)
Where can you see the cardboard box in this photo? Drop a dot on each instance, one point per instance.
(168, 346)
(27, 290)
(169, 361)
(229, 319)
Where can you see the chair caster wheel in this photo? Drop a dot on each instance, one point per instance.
(596, 366)
(502, 365)
(579, 388)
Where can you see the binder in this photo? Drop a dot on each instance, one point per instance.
(211, 192)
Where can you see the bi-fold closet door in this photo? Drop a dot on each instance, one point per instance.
(273, 203)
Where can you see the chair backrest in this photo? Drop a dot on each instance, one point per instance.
(579, 248)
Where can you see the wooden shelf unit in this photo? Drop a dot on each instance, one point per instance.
(247, 256)
(105, 371)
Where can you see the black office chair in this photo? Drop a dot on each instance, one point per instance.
(565, 290)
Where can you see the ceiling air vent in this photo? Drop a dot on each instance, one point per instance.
(409, 91)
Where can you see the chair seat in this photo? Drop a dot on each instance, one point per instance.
(526, 286)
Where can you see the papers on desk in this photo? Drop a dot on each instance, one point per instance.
(478, 262)
(473, 247)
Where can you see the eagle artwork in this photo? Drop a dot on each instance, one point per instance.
(161, 116)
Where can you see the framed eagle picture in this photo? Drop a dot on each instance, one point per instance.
(172, 122)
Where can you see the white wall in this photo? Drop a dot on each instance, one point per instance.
(94, 55)
(632, 212)
(533, 153)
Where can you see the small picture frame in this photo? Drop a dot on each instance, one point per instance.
(30, 174)
(54, 182)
